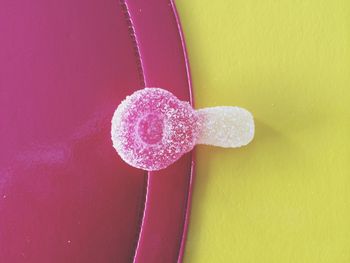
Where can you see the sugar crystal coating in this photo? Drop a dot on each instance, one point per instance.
(152, 128)
(225, 126)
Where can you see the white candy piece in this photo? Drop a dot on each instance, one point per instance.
(225, 126)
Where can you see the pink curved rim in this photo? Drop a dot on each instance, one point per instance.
(164, 63)
(192, 173)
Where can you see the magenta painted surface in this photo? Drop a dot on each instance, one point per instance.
(65, 195)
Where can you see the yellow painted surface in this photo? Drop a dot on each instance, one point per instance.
(285, 197)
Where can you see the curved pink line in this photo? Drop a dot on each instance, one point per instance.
(144, 26)
(192, 173)
(134, 39)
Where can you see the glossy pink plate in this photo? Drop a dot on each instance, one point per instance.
(65, 195)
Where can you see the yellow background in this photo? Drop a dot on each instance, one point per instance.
(286, 196)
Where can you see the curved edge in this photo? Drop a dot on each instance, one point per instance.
(134, 41)
(128, 18)
(142, 217)
(135, 11)
(192, 172)
(187, 212)
(187, 62)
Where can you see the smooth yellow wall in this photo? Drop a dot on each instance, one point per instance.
(285, 197)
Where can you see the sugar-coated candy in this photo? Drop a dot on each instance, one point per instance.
(152, 128)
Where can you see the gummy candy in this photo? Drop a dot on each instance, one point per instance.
(152, 128)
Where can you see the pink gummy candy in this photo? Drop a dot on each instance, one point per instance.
(152, 128)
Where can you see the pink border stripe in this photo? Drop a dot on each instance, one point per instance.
(165, 64)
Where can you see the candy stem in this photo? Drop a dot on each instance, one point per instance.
(225, 126)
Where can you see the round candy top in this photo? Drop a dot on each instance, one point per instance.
(152, 128)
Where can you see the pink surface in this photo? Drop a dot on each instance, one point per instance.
(65, 195)
(164, 64)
